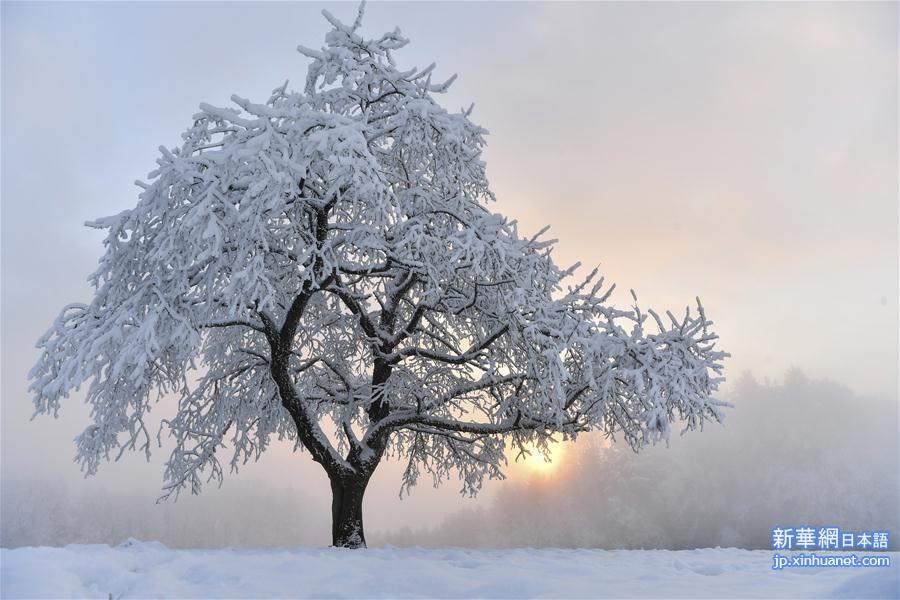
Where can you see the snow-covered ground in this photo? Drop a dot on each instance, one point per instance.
(150, 570)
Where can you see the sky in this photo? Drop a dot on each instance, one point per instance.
(745, 153)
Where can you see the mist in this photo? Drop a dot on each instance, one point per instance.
(801, 452)
(745, 153)
(40, 512)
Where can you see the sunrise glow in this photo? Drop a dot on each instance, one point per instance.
(545, 464)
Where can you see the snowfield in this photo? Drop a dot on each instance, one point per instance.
(150, 570)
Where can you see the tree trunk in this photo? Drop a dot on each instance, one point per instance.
(346, 511)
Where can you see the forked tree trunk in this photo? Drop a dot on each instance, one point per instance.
(346, 511)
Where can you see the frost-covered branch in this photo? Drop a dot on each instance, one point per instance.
(326, 267)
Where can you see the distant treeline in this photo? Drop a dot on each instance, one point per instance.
(41, 513)
(802, 453)
(794, 454)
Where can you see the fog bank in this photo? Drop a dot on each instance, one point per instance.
(803, 452)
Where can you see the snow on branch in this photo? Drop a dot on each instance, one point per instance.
(326, 267)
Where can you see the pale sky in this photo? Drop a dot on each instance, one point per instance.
(744, 153)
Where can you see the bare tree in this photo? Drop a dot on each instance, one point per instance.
(327, 264)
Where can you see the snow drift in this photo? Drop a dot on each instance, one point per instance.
(150, 570)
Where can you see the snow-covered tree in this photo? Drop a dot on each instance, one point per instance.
(324, 268)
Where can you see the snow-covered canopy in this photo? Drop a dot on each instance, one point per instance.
(328, 265)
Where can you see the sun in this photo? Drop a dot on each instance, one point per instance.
(536, 462)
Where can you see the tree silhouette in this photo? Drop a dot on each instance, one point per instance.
(327, 266)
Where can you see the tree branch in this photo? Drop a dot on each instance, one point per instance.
(459, 359)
